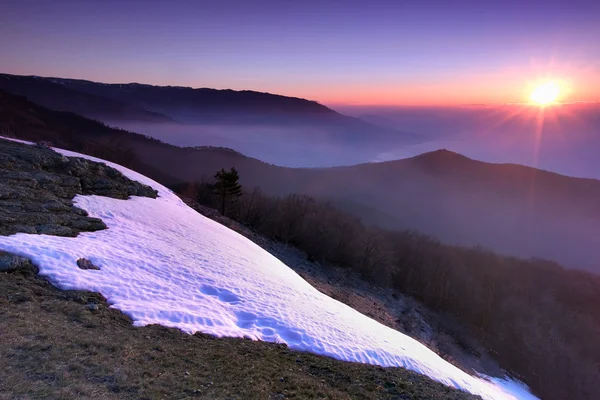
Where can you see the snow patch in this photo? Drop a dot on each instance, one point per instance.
(163, 263)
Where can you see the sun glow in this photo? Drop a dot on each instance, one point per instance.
(545, 94)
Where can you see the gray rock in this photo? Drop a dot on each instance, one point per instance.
(56, 230)
(84, 263)
(45, 177)
(88, 225)
(79, 211)
(37, 186)
(25, 229)
(6, 219)
(55, 205)
(12, 263)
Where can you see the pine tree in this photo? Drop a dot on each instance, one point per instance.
(227, 186)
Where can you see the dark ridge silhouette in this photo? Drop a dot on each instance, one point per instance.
(510, 208)
(116, 103)
(57, 96)
(174, 97)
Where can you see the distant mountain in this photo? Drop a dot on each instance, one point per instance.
(192, 106)
(203, 104)
(57, 96)
(563, 139)
(279, 129)
(510, 208)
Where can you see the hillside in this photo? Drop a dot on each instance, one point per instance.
(59, 97)
(507, 304)
(171, 99)
(509, 208)
(85, 349)
(162, 263)
(117, 103)
(279, 129)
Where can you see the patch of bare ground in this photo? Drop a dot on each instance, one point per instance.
(70, 345)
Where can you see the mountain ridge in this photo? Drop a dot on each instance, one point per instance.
(185, 116)
(315, 104)
(113, 91)
(511, 209)
(60, 98)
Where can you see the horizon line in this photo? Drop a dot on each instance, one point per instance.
(328, 104)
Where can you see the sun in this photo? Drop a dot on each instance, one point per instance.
(545, 94)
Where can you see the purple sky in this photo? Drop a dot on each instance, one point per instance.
(354, 52)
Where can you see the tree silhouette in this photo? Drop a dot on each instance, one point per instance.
(227, 185)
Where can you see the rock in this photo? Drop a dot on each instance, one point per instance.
(6, 219)
(43, 144)
(79, 211)
(92, 306)
(6, 160)
(95, 224)
(45, 177)
(88, 225)
(25, 229)
(6, 192)
(37, 186)
(11, 263)
(55, 230)
(55, 205)
(84, 263)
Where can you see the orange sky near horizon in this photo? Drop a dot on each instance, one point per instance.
(512, 86)
(504, 85)
(499, 87)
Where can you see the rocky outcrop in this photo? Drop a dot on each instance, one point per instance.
(12, 262)
(37, 186)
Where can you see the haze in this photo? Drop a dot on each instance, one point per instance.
(563, 139)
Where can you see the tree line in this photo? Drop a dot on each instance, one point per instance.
(539, 320)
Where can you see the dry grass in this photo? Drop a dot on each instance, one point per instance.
(55, 344)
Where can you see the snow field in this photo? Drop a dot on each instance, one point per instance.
(163, 263)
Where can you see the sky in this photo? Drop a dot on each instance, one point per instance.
(337, 52)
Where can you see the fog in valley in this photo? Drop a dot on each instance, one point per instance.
(565, 140)
(279, 145)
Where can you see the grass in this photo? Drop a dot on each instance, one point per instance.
(69, 345)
